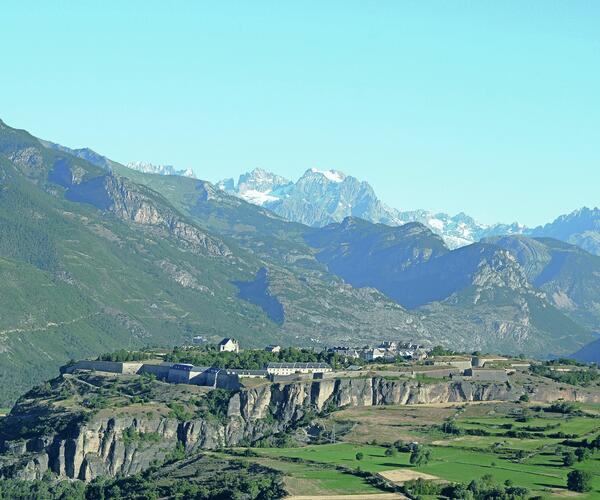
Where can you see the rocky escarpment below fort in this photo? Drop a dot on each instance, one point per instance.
(45, 433)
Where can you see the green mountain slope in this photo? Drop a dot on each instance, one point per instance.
(316, 304)
(476, 297)
(108, 262)
(99, 257)
(79, 280)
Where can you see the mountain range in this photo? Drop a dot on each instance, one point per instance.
(96, 256)
(321, 197)
(150, 168)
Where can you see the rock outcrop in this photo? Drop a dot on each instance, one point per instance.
(111, 443)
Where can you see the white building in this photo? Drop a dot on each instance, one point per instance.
(291, 368)
(273, 348)
(373, 354)
(229, 345)
(248, 373)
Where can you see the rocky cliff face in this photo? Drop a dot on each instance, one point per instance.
(122, 444)
(132, 203)
(568, 275)
(93, 182)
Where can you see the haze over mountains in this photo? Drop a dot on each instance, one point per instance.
(95, 256)
(321, 197)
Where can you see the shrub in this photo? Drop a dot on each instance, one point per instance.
(417, 487)
(569, 458)
(403, 447)
(450, 427)
(579, 480)
(420, 456)
(582, 454)
(564, 407)
(179, 412)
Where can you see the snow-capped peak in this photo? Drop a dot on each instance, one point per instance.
(332, 175)
(257, 186)
(321, 197)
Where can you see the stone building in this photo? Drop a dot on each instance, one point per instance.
(120, 367)
(487, 375)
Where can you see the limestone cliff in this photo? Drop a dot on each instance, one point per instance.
(118, 441)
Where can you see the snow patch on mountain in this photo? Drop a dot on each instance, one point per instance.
(436, 223)
(257, 197)
(332, 175)
(258, 187)
(321, 197)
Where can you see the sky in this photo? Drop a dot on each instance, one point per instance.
(489, 108)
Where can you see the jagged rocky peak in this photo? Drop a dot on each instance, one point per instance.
(584, 218)
(320, 197)
(261, 180)
(581, 228)
(258, 186)
(150, 168)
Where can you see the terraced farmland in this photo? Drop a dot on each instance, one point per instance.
(518, 444)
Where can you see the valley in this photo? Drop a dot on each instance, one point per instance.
(392, 430)
(95, 255)
(300, 250)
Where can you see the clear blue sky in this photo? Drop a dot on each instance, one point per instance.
(487, 107)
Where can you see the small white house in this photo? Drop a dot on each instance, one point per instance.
(273, 348)
(229, 345)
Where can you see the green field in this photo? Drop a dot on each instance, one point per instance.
(569, 425)
(343, 454)
(458, 458)
(539, 474)
(306, 479)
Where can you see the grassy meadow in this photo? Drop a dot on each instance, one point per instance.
(533, 461)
